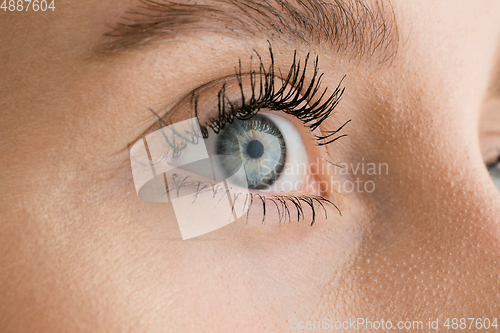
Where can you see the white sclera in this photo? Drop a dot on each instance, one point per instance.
(297, 161)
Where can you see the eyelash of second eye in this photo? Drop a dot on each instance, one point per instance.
(292, 97)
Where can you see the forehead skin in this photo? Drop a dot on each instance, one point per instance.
(80, 252)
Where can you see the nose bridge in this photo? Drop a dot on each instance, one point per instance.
(432, 241)
(434, 235)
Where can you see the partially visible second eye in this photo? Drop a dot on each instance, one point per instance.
(270, 149)
(494, 171)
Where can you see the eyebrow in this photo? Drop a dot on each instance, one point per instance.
(354, 27)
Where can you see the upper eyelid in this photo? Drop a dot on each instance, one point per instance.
(299, 79)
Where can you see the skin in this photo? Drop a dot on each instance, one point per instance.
(80, 251)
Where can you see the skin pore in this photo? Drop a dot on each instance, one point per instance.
(81, 252)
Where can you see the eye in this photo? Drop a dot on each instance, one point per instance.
(494, 171)
(270, 149)
(238, 149)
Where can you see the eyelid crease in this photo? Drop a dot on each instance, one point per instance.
(292, 95)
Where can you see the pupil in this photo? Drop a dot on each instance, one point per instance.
(255, 149)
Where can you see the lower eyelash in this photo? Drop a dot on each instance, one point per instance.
(283, 203)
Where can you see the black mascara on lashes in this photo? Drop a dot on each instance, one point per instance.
(292, 97)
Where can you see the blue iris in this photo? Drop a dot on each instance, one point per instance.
(255, 143)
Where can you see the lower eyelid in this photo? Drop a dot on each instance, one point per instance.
(297, 159)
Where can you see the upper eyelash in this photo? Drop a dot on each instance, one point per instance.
(288, 98)
(275, 100)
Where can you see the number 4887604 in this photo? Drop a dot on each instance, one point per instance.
(26, 5)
